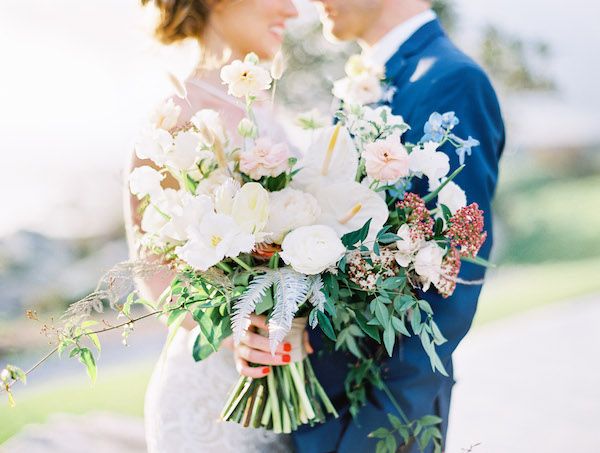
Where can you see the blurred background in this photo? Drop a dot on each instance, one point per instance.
(78, 80)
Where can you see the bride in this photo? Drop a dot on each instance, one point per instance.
(184, 398)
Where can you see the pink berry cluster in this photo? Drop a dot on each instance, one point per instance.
(417, 216)
(365, 274)
(466, 230)
(449, 273)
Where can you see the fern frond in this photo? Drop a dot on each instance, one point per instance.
(243, 308)
(316, 297)
(291, 290)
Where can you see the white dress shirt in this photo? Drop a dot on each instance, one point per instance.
(387, 46)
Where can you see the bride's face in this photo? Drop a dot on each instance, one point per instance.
(252, 25)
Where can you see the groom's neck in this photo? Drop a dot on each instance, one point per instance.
(394, 14)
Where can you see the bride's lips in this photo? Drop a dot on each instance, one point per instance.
(277, 31)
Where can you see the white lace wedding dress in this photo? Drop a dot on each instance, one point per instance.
(184, 398)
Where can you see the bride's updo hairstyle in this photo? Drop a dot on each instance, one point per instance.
(181, 19)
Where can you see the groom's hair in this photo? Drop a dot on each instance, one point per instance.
(180, 19)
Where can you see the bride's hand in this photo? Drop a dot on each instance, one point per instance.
(255, 349)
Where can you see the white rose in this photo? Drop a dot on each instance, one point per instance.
(452, 196)
(210, 124)
(312, 249)
(407, 247)
(429, 162)
(428, 264)
(244, 78)
(290, 209)
(166, 115)
(364, 89)
(154, 144)
(251, 207)
(216, 237)
(144, 181)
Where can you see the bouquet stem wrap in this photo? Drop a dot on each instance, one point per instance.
(288, 397)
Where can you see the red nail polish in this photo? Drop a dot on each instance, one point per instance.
(286, 358)
(266, 370)
(287, 347)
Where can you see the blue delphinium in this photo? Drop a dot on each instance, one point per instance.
(438, 126)
(465, 147)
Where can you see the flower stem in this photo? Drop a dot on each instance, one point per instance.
(301, 389)
(242, 264)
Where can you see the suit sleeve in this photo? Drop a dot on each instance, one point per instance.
(470, 95)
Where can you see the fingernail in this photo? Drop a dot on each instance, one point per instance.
(287, 347)
(266, 370)
(286, 358)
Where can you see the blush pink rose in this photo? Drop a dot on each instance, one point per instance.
(386, 160)
(265, 159)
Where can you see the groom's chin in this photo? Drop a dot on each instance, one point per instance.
(334, 32)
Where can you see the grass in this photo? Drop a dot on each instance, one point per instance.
(119, 390)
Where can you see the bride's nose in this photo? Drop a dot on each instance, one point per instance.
(289, 9)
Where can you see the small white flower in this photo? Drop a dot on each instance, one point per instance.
(210, 125)
(289, 209)
(426, 160)
(154, 144)
(277, 66)
(312, 249)
(364, 89)
(166, 115)
(5, 375)
(247, 129)
(312, 119)
(428, 264)
(452, 196)
(244, 78)
(216, 237)
(250, 207)
(407, 247)
(144, 181)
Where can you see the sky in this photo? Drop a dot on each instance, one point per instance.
(79, 78)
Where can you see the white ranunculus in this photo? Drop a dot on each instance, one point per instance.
(209, 122)
(217, 236)
(144, 181)
(154, 144)
(428, 264)
(362, 90)
(452, 196)
(407, 247)
(250, 207)
(290, 209)
(185, 152)
(312, 249)
(428, 161)
(208, 186)
(244, 78)
(166, 115)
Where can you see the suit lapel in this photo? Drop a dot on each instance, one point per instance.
(397, 64)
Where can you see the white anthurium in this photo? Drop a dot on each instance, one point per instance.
(331, 157)
(184, 153)
(250, 207)
(346, 207)
(166, 115)
(216, 237)
(144, 181)
(312, 249)
(452, 196)
(154, 144)
(428, 161)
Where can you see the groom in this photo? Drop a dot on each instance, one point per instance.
(429, 75)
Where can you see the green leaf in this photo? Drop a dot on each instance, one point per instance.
(202, 348)
(87, 358)
(424, 305)
(379, 433)
(381, 447)
(393, 283)
(389, 338)
(94, 338)
(446, 213)
(479, 261)
(399, 326)
(357, 236)
(438, 337)
(403, 302)
(388, 238)
(395, 421)
(415, 321)
(370, 330)
(381, 312)
(390, 442)
(266, 303)
(430, 420)
(326, 326)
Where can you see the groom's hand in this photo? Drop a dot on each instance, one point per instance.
(255, 349)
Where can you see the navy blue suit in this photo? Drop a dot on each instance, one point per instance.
(430, 75)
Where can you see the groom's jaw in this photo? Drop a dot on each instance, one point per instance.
(349, 19)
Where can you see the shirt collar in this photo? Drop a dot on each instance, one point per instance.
(387, 46)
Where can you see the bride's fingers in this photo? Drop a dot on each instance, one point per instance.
(244, 368)
(262, 358)
(228, 343)
(259, 321)
(307, 346)
(256, 341)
